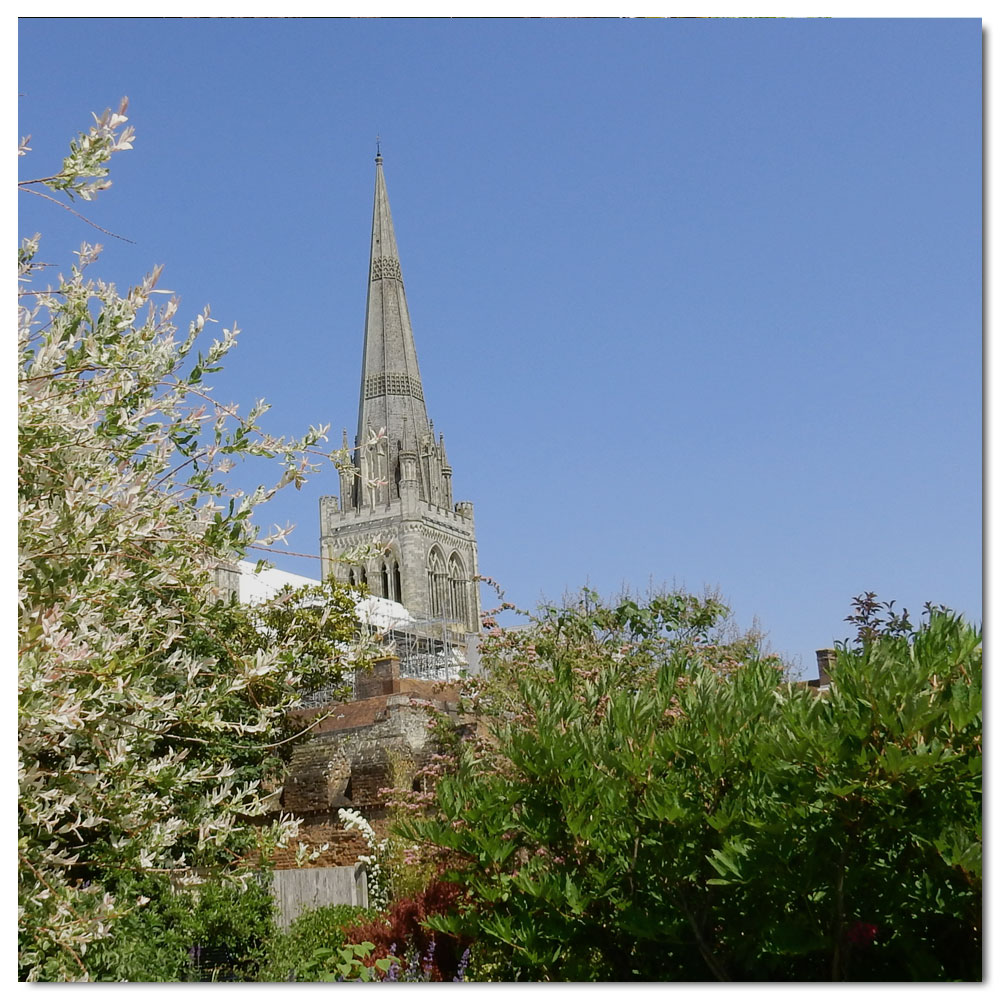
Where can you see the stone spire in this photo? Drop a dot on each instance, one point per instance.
(392, 396)
(397, 499)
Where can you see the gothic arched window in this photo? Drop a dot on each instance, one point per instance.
(437, 584)
(397, 583)
(385, 581)
(458, 589)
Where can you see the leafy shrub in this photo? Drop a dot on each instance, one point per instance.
(214, 931)
(403, 931)
(411, 869)
(291, 954)
(649, 805)
(347, 963)
(350, 963)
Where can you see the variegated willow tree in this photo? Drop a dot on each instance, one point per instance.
(149, 705)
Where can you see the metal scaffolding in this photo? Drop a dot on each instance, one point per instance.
(429, 648)
(434, 649)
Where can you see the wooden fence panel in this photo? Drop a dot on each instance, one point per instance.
(299, 889)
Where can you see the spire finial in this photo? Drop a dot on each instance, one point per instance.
(378, 149)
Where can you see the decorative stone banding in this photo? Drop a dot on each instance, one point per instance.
(386, 267)
(393, 384)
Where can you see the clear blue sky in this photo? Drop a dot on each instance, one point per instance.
(696, 301)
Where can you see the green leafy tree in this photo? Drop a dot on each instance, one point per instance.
(647, 804)
(309, 630)
(148, 704)
(215, 930)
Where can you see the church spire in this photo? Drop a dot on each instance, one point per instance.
(391, 391)
(396, 496)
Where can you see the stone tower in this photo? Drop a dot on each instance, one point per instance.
(397, 495)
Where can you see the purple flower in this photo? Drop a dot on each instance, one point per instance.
(463, 964)
(429, 957)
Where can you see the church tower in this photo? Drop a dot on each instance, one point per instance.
(397, 494)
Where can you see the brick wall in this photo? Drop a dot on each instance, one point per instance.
(381, 679)
(345, 845)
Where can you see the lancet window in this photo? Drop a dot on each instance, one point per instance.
(390, 579)
(437, 584)
(458, 589)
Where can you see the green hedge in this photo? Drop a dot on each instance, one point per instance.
(291, 951)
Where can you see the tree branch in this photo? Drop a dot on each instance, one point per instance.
(73, 211)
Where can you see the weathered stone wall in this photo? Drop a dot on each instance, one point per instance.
(318, 776)
(358, 749)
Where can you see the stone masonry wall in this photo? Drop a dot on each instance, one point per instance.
(359, 748)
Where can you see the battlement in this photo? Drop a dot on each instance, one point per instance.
(332, 512)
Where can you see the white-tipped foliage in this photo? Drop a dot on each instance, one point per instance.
(123, 519)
